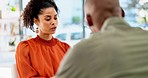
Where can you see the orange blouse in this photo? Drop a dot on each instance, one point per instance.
(38, 58)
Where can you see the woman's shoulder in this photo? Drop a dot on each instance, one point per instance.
(22, 44)
(22, 48)
(62, 43)
(27, 42)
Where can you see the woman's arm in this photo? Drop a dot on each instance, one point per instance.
(25, 70)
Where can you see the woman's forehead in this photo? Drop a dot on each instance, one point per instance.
(49, 10)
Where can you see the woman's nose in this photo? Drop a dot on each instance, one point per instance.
(53, 22)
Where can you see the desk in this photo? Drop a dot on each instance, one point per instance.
(7, 59)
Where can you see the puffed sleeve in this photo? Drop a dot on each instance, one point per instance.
(25, 70)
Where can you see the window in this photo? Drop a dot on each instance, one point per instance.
(76, 36)
(61, 36)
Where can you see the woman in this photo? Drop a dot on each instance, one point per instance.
(40, 57)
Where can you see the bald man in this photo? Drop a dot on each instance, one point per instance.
(114, 50)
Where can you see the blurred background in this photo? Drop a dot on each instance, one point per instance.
(71, 29)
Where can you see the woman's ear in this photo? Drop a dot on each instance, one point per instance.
(36, 21)
(89, 20)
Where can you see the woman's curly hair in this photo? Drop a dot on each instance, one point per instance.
(33, 9)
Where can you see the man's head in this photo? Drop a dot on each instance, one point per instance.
(97, 11)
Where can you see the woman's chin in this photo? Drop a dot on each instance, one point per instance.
(53, 32)
(49, 33)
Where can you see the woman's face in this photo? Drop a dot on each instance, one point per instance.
(47, 21)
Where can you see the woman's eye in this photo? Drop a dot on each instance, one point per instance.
(55, 18)
(47, 19)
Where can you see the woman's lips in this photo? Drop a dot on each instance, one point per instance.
(53, 29)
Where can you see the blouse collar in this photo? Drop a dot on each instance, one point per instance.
(46, 42)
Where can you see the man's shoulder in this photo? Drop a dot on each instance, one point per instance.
(92, 41)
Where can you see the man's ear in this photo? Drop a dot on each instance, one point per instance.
(89, 20)
(36, 21)
(123, 13)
